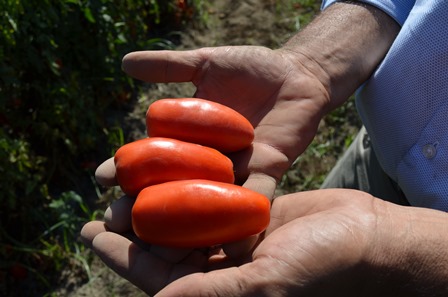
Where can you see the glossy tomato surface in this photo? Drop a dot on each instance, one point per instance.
(156, 160)
(198, 213)
(199, 121)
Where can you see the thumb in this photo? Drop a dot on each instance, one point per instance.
(163, 66)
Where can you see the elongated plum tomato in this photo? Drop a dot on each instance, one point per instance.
(155, 160)
(198, 213)
(199, 121)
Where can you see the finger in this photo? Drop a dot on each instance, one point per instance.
(265, 185)
(252, 171)
(105, 173)
(118, 216)
(258, 168)
(261, 183)
(131, 262)
(163, 66)
(145, 270)
(90, 230)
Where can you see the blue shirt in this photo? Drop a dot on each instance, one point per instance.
(404, 104)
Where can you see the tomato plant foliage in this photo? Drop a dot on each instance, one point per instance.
(60, 79)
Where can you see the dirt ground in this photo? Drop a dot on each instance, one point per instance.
(235, 22)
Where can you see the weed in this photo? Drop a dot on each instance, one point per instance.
(51, 251)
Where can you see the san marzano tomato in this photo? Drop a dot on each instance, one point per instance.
(199, 121)
(156, 160)
(198, 213)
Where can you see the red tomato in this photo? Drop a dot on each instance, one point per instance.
(199, 121)
(198, 213)
(157, 160)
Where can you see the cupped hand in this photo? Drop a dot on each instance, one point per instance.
(314, 246)
(282, 99)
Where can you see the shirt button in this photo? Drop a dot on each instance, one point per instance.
(429, 151)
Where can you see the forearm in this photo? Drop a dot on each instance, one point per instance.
(343, 46)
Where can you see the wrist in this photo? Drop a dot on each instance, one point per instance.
(408, 256)
(343, 46)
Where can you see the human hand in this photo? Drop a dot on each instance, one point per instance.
(280, 97)
(319, 243)
(285, 92)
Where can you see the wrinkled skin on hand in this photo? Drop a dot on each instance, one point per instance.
(273, 89)
(318, 244)
(281, 98)
(331, 242)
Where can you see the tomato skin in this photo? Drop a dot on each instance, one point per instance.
(198, 213)
(199, 121)
(154, 160)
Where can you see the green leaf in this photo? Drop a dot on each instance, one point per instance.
(88, 15)
(57, 203)
(11, 21)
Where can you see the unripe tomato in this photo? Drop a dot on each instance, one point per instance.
(198, 213)
(157, 160)
(199, 121)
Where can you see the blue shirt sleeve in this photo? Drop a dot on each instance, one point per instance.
(397, 9)
(404, 104)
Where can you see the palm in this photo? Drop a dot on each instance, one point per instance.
(312, 236)
(280, 97)
(234, 77)
(315, 236)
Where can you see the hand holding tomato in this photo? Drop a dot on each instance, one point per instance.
(180, 177)
(280, 97)
(319, 243)
(273, 89)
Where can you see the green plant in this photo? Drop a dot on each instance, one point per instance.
(71, 212)
(62, 96)
(56, 248)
